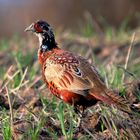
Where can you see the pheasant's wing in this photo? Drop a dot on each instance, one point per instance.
(73, 73)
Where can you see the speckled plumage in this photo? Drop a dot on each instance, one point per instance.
(68, 76)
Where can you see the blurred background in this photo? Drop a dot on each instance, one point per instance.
(15, 15)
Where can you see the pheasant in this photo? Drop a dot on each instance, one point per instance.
(70, 77)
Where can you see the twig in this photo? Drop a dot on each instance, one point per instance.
(128, 54)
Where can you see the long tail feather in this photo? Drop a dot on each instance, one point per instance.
(111, 97)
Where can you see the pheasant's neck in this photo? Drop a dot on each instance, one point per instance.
(46, 43)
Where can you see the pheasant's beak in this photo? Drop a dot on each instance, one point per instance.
(30, 28)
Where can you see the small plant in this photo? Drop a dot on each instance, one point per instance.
(67, 133)
(6, 128)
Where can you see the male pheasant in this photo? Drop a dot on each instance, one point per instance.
(71, 77)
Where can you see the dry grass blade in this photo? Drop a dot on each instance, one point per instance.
(9, 78)
(11, 109)
(34, 82)
(32, 113)
(22, 78)
(126, 71)
(86, 130)
(128, 54)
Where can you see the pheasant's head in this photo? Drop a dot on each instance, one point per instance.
(44, 32)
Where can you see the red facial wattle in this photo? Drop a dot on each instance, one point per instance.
(37, 28)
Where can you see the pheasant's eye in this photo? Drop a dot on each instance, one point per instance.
(38, 28)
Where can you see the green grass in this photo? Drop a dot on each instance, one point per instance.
(5, 125)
